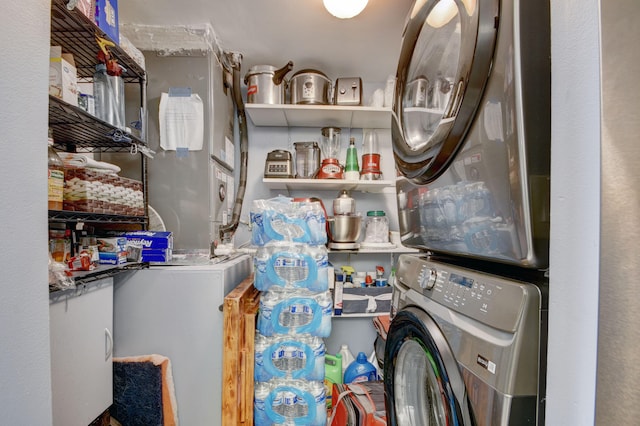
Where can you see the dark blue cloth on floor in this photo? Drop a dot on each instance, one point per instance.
(137, 394)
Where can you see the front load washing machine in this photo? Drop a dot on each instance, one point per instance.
(464, 347)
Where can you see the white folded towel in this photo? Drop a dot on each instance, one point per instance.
(79, 160)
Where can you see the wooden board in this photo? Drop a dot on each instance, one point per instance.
(240, 310)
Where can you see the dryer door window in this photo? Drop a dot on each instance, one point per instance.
(444, 65)
(423, 384)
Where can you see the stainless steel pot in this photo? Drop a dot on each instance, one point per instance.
(310, 86)
(266, 84)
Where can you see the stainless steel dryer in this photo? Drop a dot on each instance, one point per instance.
(471, 140)
(464, 347)
(471, 130)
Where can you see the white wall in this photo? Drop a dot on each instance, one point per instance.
(575, 207)
(25, 385)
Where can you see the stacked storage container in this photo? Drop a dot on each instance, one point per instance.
(291, 270)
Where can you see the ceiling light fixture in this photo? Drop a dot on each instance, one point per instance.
(442, 13)
(345, 9)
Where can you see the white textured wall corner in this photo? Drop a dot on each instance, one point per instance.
(25, 384)
(172, 39)
(575, 212)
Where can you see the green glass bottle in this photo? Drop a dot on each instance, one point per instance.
(351, 169)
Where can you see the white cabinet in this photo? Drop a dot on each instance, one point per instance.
(176, 311)
(81, 321)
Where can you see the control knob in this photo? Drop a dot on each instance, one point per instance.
(428, 278)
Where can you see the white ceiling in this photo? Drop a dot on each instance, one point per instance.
(272, 32)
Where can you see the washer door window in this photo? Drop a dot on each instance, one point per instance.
(423, 384)
(444, 65)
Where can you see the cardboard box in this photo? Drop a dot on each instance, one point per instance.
(63, 76)
(132, 51)
(337, 297)
(112, 258)
(157, 256)
(87, 7)
(107, 18)
(152, 240)
(357, 300)
(112, 251)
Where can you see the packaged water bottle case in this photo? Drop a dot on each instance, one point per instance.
(291, 266)
(291, 270)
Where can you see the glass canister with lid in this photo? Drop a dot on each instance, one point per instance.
(376, 227)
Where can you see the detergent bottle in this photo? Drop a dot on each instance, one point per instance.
(332, 374)
(360, 370)
(347, 358)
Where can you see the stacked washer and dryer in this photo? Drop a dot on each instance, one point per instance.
(471, 138)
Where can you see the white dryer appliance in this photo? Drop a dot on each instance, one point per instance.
(471, 141)
(467, 347)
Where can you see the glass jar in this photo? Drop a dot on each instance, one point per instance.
(376, 227)
(370, 157)
(55, 177)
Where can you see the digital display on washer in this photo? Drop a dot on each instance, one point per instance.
(459, 279)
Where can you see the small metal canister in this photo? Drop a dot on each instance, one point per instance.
(348, 91)
(416, 92)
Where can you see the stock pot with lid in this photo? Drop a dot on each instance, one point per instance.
(266, 84)
(310, 87)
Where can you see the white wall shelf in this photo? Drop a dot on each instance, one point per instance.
(396, 250)
(374, 186)
(361, 315)
(287, 115)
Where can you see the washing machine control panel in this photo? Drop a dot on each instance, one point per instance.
(487, 298)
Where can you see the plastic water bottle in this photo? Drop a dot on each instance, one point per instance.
(282, 219)
(299, 402)
(285, 357)
(295, 311)
(360, 370)
(108, 91)
(104, 99)
(117, 87)
(347, 357)
(55, 177)
(292, 266)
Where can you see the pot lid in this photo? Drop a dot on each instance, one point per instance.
(311, 144)
(327, 131)
(310, 71)
(261, 69)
